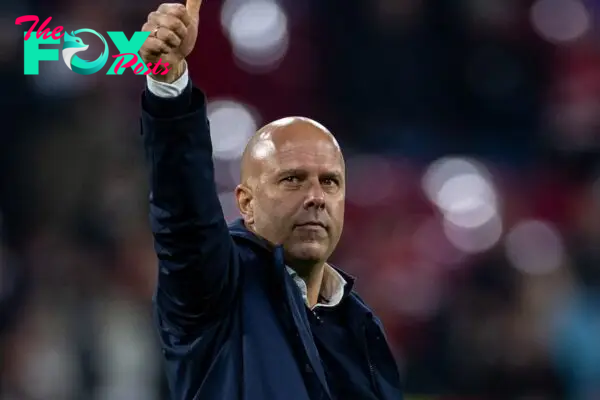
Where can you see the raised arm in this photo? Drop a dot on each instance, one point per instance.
(198, 265)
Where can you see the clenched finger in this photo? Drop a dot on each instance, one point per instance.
(169, 22)
(168, 36)
(154, 48)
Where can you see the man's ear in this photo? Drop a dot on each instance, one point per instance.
(244, 198)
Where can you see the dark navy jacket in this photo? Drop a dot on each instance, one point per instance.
(231, 320)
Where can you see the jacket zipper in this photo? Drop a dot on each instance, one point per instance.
(370, 363)
(371, 371)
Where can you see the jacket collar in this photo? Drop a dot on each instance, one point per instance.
(237, 228)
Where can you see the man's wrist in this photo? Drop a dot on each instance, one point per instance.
(168, 89)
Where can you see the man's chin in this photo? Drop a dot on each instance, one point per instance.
(307, 252)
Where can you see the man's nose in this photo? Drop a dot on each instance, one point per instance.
(315, 197)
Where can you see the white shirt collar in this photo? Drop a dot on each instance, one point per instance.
(332, 287)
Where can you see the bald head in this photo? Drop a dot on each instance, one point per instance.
(292, 188)
(281, 135)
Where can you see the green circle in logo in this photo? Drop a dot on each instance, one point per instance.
(73, 44)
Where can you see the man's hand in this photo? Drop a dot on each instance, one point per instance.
(173, 31)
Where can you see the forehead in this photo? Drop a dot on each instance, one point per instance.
(316, 151)
(319, 155)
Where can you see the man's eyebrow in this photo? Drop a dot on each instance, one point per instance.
(292, 171)
(333, 175)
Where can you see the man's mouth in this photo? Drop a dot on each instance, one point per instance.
(314, 224)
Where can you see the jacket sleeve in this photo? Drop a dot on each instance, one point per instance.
(198, 264)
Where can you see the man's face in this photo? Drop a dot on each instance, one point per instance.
(299, 195)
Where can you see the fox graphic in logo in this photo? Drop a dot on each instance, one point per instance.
(72, 45)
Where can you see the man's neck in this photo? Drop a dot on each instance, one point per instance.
(313, 278)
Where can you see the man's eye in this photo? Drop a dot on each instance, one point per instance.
(291, 179)
(329, 182)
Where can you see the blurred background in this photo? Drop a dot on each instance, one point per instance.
(471, 133)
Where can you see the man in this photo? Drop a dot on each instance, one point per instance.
(251, 311)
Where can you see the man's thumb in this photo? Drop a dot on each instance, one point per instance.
(193, 7)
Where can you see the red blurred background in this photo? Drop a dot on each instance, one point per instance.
(470, 130)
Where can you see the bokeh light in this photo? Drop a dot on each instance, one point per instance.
(462, 190)
(475, 240)
(534, 247)
(232, 124)
(258, 32)
(464, 194)
(467, 200)
(560, 21)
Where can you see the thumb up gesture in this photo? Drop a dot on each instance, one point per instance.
(173, 31)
